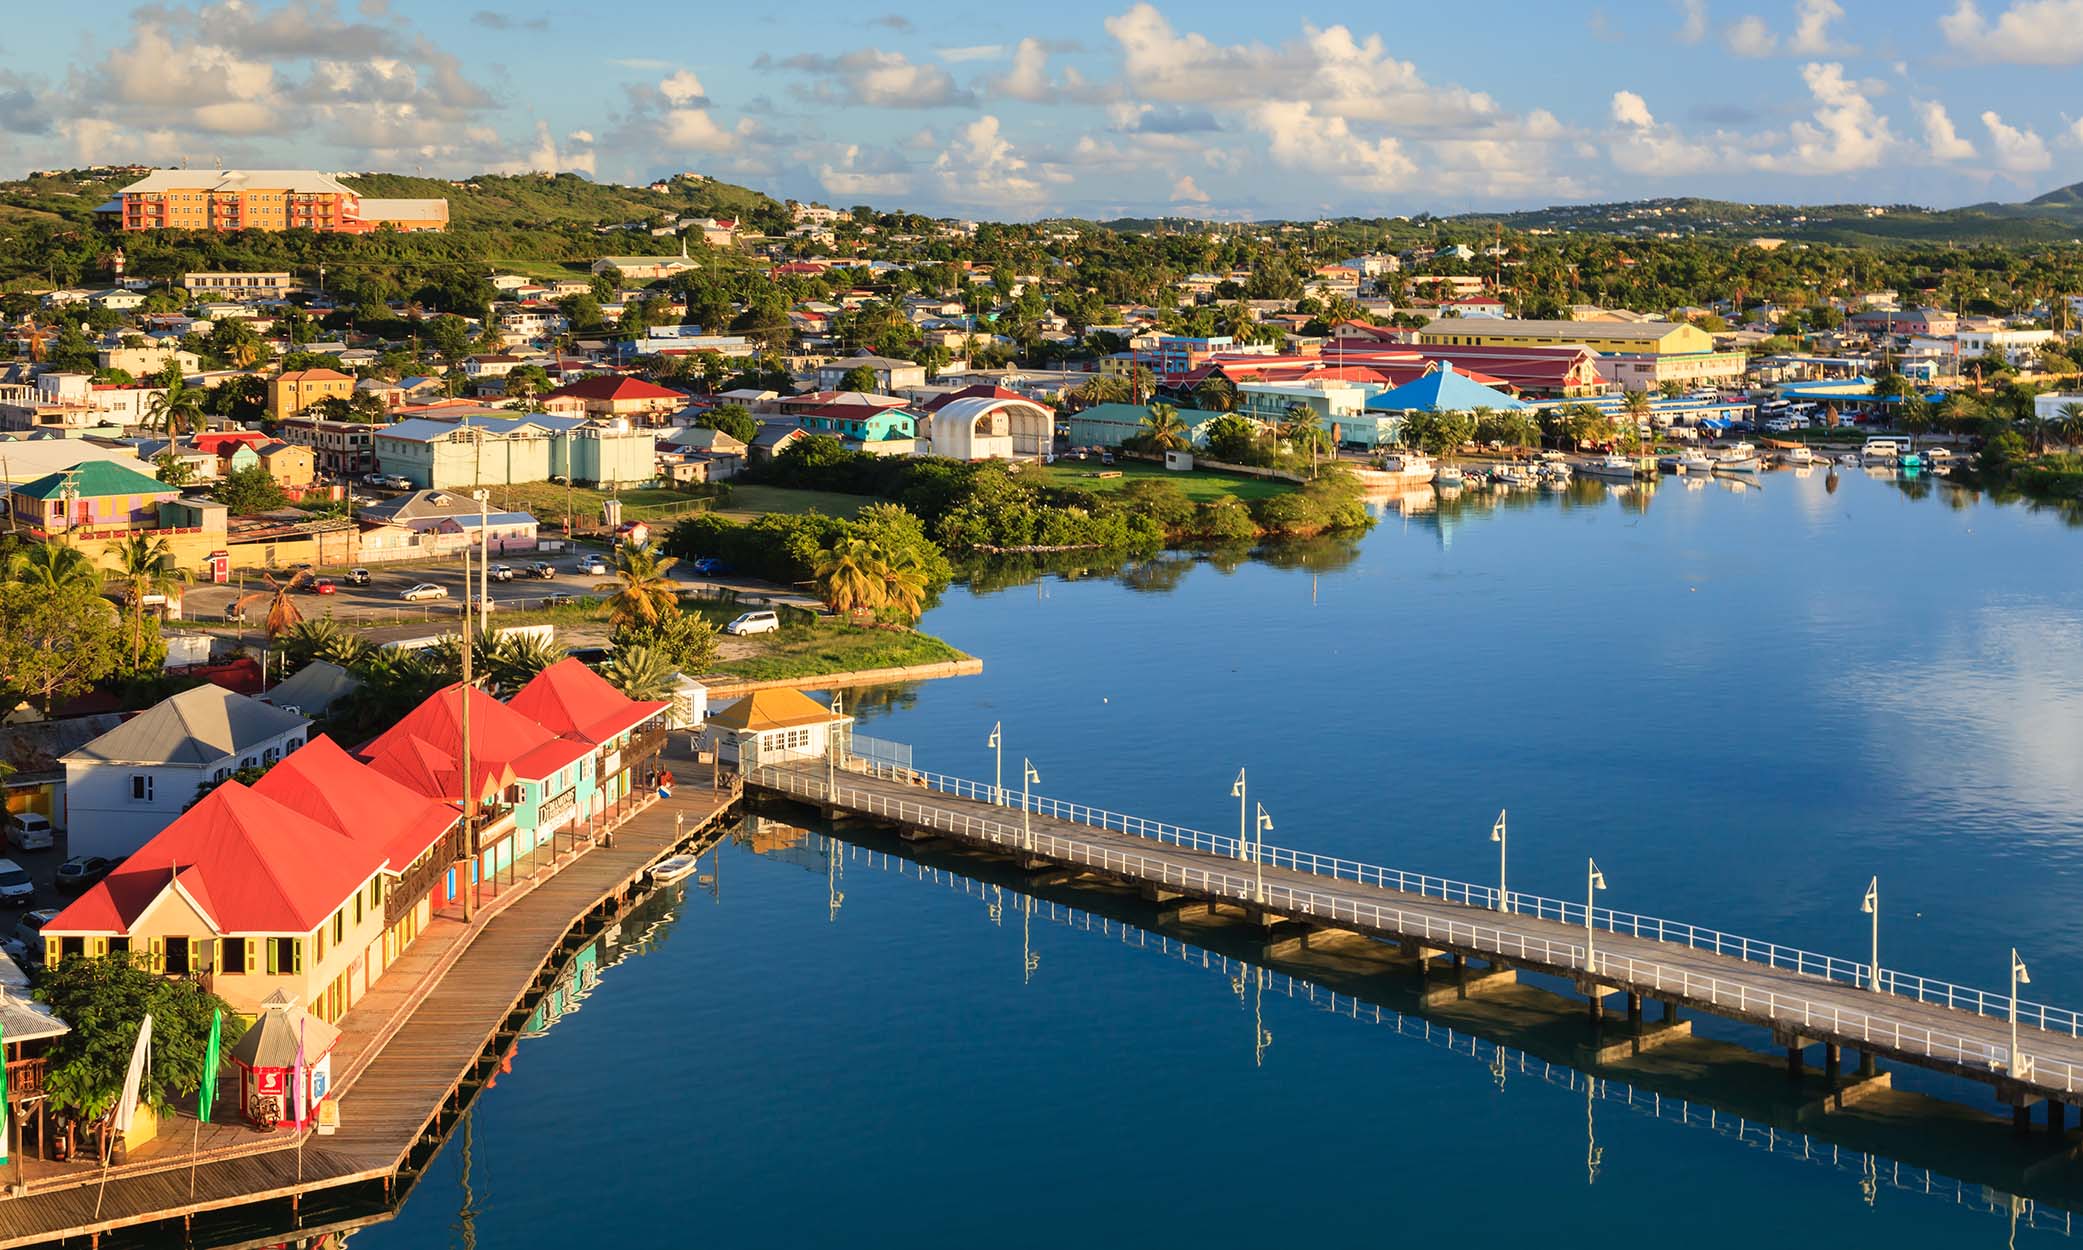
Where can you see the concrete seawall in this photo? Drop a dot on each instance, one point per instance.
(725, 687)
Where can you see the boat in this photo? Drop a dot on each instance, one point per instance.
(1851, 458)
(1694, 461)
(1741, 458)
(1447, 475)
(1615, 467)
(1910, 461)
(1670, 464)
(1410, 465)
(1797, 456)
(673, 867)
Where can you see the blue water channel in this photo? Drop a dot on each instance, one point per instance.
(1744, 703)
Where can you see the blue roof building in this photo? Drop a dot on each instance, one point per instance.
(1444, 390)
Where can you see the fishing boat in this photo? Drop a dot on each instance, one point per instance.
(673, 867)
(1670, 464)
(1695, 462)
(1797, 456)
(1447, 475)
(1741, 458)
(1614, 468)
(1409, 465)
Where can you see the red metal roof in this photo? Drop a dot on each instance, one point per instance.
(610, 387)
(423, 751)
(971, 392)
(250, 864)
(325, 783)
(573, 701)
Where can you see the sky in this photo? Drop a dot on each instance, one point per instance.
(1217, 109)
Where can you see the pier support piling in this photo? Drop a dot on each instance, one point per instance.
(2057, 1117)
(2021, 1118)
(1794, 1062)
(1634, 1011)
(1832, 1057)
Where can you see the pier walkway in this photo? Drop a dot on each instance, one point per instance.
(1802, 997)
(419, 1071)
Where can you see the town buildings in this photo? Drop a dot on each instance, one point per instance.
(290, 393)
(263, 199)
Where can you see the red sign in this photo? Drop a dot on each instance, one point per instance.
(273, 1080)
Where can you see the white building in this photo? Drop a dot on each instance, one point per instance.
(769, 726)
(986, 428)
(126, 786)
(2020, 347)
(2048, 407)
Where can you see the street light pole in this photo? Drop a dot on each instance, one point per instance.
(1243, 814)
(2019, 1071)
(1027, 777)
(1594, 881)
(1497, 836)
(484, 565)
(1258, 855)
(1872, 908)
(997, 744)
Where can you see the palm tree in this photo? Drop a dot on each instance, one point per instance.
(642, 673)
(1163, 429)
(1913, 417)
(324, 639)
(52, 565)
(905, 581)
(1216, 393)
(2068, 424)
(646, 591)
(144, 567)
(1959, 413)
(853, 576)
(510, 661)
(283, 614)
(175, 409)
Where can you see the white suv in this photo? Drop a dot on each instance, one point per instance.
(754, 623)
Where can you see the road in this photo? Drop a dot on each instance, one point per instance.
(381, 602)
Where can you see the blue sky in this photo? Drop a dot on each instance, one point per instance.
(1216, 109)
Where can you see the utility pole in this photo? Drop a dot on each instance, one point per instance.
(469, 883)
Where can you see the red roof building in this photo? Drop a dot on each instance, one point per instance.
(613, 395)
(572, 701)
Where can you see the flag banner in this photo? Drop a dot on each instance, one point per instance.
(297, 1078)
(6, 1120)
(206, 1096)
(133, 1080)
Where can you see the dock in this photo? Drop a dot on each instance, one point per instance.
(1802, 999)
(398, 1099)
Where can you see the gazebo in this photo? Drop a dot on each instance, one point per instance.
(767, 726)
(267, 1059)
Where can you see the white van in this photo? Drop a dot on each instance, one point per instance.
(27, 831)
(1883, 448)
(754, 623)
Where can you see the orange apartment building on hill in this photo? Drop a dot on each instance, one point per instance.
(263, 199)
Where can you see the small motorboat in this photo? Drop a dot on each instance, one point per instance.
(1693, 461)
(1850, 459)
(1670, 464)
(1447, 475)
(1797, 456)
(1616, 468)
(673, 867)
(1741, 458)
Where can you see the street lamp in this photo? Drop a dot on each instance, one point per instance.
(997, 743)
(1871, 906)
(1237, 792)
(1027, 778)
(1497, 836)
(1258, 854)
(1594, 881)
(2019, 1071)
(484, 565)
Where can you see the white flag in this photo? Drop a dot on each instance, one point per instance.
(126, 1107)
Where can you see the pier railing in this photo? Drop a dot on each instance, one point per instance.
(1788, 1008)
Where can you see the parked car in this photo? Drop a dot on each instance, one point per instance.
(26, 942)
(502, 572)
(376, 479)
(15, 886)
(711, 566)
(27, 831)
(594, 566)
(234, 614)
(81, 871)
(359, 577)
(323, 586)
(543, 569)
(761, 622)
(559, 600)
(424, 590)
(400, 483)
(488, 603)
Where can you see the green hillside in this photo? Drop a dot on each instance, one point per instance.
(507, 200)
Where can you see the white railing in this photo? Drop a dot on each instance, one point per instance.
(1857, 973)
(1779, 1007)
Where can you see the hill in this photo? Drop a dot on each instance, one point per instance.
(2070, 196)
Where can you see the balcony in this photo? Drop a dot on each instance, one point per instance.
(25, 1078)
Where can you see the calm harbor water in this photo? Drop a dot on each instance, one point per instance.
(1744, 704)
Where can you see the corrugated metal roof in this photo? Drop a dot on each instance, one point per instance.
(198, 726)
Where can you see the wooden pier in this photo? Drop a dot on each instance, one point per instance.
(398, 1100)
(1802, 999)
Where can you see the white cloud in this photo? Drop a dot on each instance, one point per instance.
(1184, 191)
(1632, 110)
(875, 78)
(1811, 35)
(1749, 36)
(1846, 132)
(2017, 150)
(857, 173)
(1300, 139)
(1028, 76)
(1693, 28)
(1642, 145)
(2075, 131)
(980, 167)
(682, 87)
(975, 52)
(2028, 32)
(1941, 137)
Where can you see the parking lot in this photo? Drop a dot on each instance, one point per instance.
(381, 602)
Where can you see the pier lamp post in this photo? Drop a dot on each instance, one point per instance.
(832, 754)
(1027, 778)
(1243, 814)
(1497, 836)
(1258, 855)
(997, 744)
(1594, 881)
(1872, 908)
(2019, 1071)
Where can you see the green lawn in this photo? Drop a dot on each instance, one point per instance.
(1199, 486)
(751, 501)
(547, 501)
(816, 647)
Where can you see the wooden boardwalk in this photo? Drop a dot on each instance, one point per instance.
(1810, 1002)
(401, 1092)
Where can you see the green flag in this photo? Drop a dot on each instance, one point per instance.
(6, 1120)
(211, 1058)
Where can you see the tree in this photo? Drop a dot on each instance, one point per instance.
(1216, 393)
(860, 378)
(55, 642)
(1913, 416)
(2068, 424)
(1163, 430)
(173, 470)
(852, 577)
(732, 419)
(645, 591)
(176, 409)
(509, 661)
(248, 491)
(687, 640)
(323, 639)
(51, 565)
(106, 1001)
(641, 673)
(144, 567)
(283, 613)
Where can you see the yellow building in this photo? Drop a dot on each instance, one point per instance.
(1651, 337)
(290, 393)
(263, 199)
